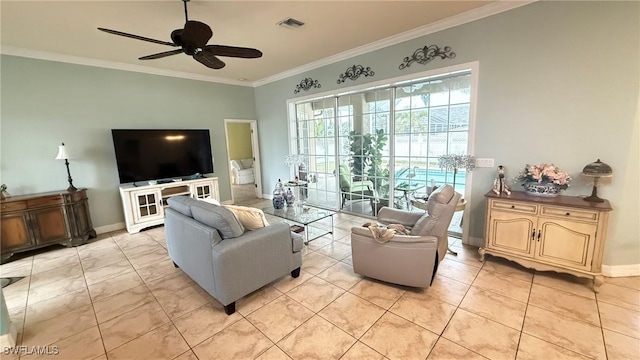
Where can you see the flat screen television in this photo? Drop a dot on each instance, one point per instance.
(144, 155)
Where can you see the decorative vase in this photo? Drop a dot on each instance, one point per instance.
(278, 196)
(535, 188)
(289, 197)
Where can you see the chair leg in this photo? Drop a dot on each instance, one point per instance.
(176, 265)
(451, 251)
(295, 273)
(230, 309)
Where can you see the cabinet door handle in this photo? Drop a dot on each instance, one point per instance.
(539, 234)
(533, 234)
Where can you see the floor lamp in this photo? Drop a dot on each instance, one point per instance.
(62, 155)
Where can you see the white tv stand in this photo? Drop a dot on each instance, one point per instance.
(144, 204)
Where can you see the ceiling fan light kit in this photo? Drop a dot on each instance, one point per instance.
(192, 40)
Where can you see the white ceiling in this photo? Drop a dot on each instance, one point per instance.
(67, 31)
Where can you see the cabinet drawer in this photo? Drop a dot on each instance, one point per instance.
(14, 206)
(45, 201)
(506, 205)
(569, 213)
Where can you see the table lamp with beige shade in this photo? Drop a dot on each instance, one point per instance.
(596, 170)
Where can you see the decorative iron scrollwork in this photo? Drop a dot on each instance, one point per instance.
(354, 73)
(306, 84)
(426, 54)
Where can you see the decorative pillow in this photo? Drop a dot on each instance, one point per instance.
(250, 218)
(211, 200)
(219, 218)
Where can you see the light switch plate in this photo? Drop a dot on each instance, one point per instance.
(484, 162)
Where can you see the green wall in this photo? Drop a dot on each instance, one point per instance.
(239, 137)
(45, 103)
(558, 82)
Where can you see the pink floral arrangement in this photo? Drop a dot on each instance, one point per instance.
(545, 173)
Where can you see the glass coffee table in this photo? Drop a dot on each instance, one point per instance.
(307, 216)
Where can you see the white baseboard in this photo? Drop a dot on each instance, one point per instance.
(110, 228)
(621, 270)
(267, 196)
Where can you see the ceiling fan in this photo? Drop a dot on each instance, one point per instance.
(192, 41)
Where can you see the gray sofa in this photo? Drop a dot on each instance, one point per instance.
(208, 243)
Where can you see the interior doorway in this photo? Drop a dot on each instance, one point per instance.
(243, 159)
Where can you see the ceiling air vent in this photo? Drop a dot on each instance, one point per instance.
(291, 23)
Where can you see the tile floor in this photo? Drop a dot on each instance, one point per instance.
(119, 297)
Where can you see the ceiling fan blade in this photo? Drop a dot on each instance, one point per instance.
(209, 60)
(137, 37)
(233, 51)
(196, 34)
(161, 55)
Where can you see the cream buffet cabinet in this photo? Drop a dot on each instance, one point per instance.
(144, 204)
(563, 234)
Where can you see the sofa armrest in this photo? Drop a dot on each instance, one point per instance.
(388, 215)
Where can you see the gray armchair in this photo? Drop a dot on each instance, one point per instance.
(210, 245)
(410, 260)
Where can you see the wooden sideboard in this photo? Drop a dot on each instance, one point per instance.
(562, 234)
(37, 220)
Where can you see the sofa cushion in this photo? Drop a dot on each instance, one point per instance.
(181, 204)
(219, 218)
(250, 218)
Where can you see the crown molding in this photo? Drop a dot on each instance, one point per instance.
(456, 20)
(44, 55)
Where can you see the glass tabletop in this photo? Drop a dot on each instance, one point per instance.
(304, 215)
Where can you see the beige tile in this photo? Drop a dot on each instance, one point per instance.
(132, 324)
(427, 311)
(466, 254)
(15, 268)
(114, 285)
(55, 252)
(512, 288)
(318, 243)
(378, 292)
(458, 271)
(204, 322)
(620, 346)
(352, 314)
(163, 342)
(279, 317)
(57, 328)
(100, 245)
(98, 274)
(632, 282)
(170, 284)
(184, 301)
(103, 357)
(247, 342)
(56, 288)
(341, 275)
(15, 295)
(470, 331)
(508, 268)
(315, 294)
(361, 351)
(189, 355)
(102, 258)
(287, 282)
(118, 304)
(85, 345)
(446, 289)
(565, 282)
(532, 348)
(335, 250)
(495, 307)
(619, 295)
(316, 263)
(447, 350)
(158, 271)
(273, 353)
(58, 276)
(397, 338)
(69, 259)
(257, 299)
(564, 331)
(59, 305)
(141, 260)
(135, 242)
(329, 342)
(565, 303)
(620, 319)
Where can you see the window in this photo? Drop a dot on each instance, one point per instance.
(380, 146)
